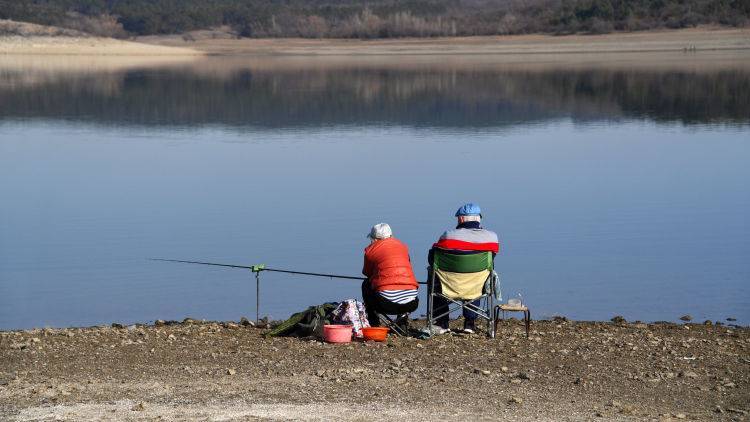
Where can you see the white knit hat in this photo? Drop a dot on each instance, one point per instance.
(380, 231)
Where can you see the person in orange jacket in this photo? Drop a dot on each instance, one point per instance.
(390, 287)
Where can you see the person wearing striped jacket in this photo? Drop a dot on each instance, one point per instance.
(390, 287)
(467, 238)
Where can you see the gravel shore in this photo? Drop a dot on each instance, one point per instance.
(228, 371)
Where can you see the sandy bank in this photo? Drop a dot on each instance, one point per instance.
(565, 371)
(28, 39)
(86, 46)
(653, 41)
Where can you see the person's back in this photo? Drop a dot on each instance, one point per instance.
(390, 287)
(388, 267)
(467, 238)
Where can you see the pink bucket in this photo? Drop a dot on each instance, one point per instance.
(337, 333)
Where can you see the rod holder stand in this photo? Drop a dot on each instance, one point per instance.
(257, 269)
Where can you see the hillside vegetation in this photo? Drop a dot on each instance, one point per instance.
(374, 18)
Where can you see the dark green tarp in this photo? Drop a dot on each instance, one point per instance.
(306, 323)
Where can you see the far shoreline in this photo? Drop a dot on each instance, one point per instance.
(684, 40)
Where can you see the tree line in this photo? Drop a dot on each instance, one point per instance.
(374, 18)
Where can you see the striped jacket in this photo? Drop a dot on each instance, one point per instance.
(469, 237)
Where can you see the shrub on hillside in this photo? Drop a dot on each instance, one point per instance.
(374, 18)
(104, 25)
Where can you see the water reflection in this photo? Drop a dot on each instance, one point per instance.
(266, 93)
(626, 216)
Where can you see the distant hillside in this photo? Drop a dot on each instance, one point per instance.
(24, 29)
(374, 18)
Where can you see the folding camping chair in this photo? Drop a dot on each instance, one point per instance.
(463, 279)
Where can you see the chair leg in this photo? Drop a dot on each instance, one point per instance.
(397, 330)
(430, 291)
(404, 331)
(491, 313)
(496, 315)
(393, 325)
(490, 326)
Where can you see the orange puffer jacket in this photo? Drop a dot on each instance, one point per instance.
(388, 267)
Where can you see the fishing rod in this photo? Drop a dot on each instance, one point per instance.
(257, 269)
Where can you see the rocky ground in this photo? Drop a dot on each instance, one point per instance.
(228, 371)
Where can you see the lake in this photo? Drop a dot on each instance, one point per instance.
(616, 189)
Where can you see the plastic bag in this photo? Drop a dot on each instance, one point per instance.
(352, 312)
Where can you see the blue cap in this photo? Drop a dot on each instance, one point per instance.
(469, 209)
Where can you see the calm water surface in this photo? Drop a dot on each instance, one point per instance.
(614, 190)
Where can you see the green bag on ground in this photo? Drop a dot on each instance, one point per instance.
(306, 323)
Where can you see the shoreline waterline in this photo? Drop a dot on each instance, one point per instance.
(684, 321)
